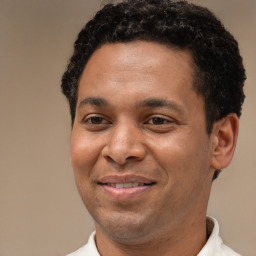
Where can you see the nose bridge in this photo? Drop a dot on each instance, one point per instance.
(125, 143)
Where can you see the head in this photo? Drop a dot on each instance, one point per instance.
(155, 91)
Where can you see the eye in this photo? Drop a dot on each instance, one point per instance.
(160, 124)
(95, 120)
(158, 121)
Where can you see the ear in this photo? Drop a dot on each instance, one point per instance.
(224, 137)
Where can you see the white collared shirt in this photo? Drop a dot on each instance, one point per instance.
(213, 247)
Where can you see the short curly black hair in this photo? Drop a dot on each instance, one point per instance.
(219, 70)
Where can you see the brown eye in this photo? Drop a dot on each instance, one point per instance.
(158, 121)
(95, 120)
(95, 123)
(160, 124)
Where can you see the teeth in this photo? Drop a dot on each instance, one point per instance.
(119, 185)
(126, 185)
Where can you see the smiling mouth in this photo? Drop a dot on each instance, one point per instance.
(123, 192)
(123, 188)
(127, 185)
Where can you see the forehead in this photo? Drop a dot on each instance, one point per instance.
(137, 68)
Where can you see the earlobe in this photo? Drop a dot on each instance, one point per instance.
(224, 137)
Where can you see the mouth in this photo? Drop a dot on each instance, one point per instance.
(127, 185)
(123, 188)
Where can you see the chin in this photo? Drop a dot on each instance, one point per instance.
(126, 228)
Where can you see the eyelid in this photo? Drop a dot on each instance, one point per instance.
(169, 120)
(90, 116)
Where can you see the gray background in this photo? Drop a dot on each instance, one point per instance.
(40, 210)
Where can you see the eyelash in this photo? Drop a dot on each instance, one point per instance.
(98, 120)
(90, 119)
(162, 120)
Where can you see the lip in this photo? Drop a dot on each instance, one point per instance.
(125, 194)
(125, 179)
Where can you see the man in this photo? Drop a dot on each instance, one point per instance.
(155, 91)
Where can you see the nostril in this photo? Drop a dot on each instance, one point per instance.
(131, 158)
(120, 162)
(115, 161)
(109, 159)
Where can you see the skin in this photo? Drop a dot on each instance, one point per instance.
(138, 116)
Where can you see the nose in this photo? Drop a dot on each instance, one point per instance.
(125, 144)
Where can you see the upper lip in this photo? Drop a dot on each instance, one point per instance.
(122, 179)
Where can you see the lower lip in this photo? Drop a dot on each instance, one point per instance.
(124, 194)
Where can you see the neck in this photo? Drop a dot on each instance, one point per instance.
(186, 238)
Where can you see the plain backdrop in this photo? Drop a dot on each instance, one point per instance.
(40, 210)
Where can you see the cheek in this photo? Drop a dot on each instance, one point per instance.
(186, 166)
(170, 152)
(84, 153)
(182, 157)
(83, 156)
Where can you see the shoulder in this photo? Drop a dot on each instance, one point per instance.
(215, 246)
(228, 251)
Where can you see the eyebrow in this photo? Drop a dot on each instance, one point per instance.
(159, 102)
(147, 103)
(95, 101)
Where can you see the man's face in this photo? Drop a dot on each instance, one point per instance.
(139, 148)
